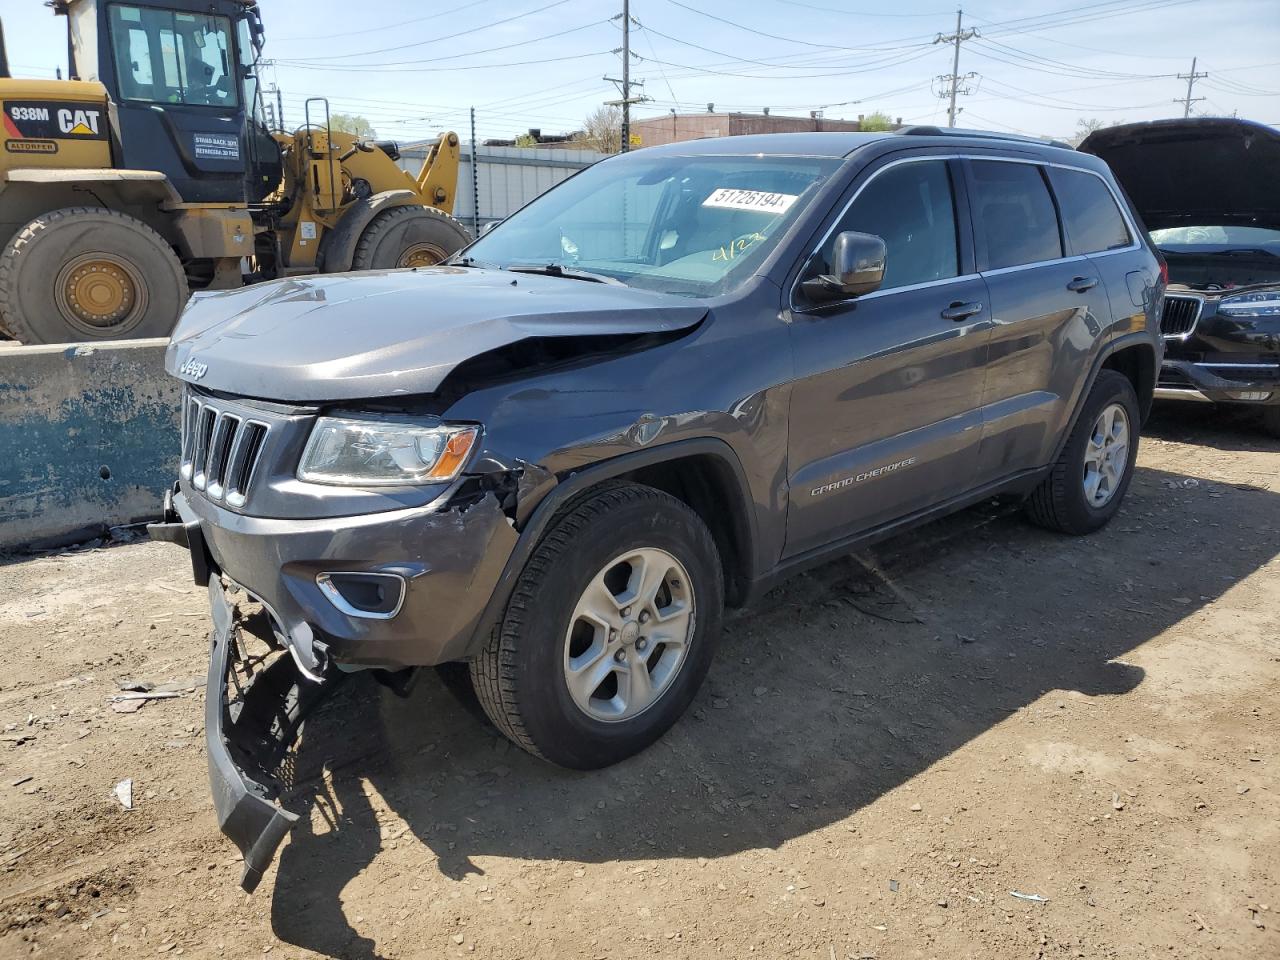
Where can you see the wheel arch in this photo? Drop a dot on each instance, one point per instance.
(1134, 356)
(1137, 361)
(138, 193)
(703, 472)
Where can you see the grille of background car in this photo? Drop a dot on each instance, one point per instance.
(220, 449)
(1180, 316)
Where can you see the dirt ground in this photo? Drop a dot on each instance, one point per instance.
(885, 751)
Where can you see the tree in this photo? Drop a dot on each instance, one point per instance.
(526, 140)
(874, 122)
(1084, 127)
(602, 130)
(353, 124)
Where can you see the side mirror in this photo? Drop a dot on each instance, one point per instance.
(857, 267)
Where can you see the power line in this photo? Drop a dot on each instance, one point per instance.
(421, 43)
(1191, 78)
(954, 79)
(478, 66)
(453, 56)
(386, 26)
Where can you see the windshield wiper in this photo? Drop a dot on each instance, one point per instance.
(1248, 252)
(558, 270)
(468, 262)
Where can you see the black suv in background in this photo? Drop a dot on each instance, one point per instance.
(667, 383)
(1209, 190)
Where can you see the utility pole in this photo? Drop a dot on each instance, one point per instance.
(1191, 78)
(953, 79)
(277, 115)
(626, 77)
(626, 83)
(475, 179)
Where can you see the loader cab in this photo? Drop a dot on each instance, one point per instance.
(182, 78)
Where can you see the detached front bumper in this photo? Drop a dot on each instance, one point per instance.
(249, 731)
(1242, 381)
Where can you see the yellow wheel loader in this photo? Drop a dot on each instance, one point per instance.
(150, 173)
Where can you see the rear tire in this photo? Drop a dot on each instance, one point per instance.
(408, 236)
(89, 273)
(1066, 500)
(633, 551)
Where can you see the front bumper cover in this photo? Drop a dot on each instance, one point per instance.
(1186, 380)
(250, 729)
(449, 558)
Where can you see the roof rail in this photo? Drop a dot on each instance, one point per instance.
(924, 130)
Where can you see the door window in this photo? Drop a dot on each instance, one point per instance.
(910, 207)
(1015, 216)
(1089, 211)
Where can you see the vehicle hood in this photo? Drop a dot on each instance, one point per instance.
(1206, 171)
(393, 332)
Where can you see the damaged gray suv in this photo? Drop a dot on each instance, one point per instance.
(669, 382)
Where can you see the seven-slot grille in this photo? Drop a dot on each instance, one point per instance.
(1180, 316)
(220, 450)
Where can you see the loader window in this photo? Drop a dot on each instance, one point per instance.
(164, 56)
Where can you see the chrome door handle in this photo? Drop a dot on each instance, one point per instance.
(959, 310)
(1082, 284)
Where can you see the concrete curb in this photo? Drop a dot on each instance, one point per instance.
(89, 437)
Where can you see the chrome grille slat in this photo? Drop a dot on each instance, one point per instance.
(220, 449)
(1179, 316)
(205, 422)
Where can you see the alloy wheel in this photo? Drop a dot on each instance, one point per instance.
(629, 635)
(1106, 455)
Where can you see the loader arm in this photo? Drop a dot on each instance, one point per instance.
(438, 178)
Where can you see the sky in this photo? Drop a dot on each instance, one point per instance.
(1038, 66)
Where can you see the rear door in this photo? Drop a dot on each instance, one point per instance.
(1096, 228)
(1049, 314)
(884, 409)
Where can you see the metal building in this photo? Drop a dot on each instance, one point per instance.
(506, 178)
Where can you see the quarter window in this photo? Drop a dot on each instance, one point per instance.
(910, 207)
(1015, 214)
(1089, 211)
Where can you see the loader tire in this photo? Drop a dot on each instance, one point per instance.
(408, 236)
(89, 273)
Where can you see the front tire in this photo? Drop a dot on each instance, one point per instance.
(408, 236)
(609, 632)
(89, 273)
(1085, 487)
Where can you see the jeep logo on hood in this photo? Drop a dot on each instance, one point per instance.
(193, 369)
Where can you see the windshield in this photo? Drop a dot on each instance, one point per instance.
(696, 226)
(163, 56)
(1210, 239)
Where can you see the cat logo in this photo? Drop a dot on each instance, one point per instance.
(79, 123)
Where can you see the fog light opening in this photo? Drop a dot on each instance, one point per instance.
(370, 596)
(1250, 396)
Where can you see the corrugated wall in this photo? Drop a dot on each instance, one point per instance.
(509, 177)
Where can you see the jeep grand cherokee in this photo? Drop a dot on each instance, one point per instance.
(656, 390)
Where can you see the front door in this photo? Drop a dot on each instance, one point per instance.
(885, 417)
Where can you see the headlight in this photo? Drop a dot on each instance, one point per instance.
(1251, 305)
(383, 453)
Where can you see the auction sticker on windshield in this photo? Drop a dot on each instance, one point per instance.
(732, 199)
